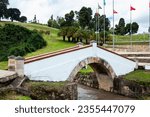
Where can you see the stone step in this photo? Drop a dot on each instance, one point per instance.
(6, 76)
(18, 81)
(135, 54)
(141, 59)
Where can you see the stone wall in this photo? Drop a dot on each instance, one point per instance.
(7, 80)
(41, 91)
(130, 88)
(88, 79)
(67, 91)
(127, 48)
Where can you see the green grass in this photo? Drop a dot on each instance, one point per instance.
(140, 76)
(138, 39)
(3, 65)
(85, 71)
(54, 42)
(49, 84)
(17, 97)
(30, 26)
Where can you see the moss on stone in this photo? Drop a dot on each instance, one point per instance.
(140, 76)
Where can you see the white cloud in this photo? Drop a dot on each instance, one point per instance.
(45, 8)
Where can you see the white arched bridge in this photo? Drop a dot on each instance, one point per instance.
(65, 64)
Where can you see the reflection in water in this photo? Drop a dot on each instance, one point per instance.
(87, 93)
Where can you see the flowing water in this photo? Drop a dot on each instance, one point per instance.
(87, 93)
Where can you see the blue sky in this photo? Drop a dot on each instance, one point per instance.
(45, 8)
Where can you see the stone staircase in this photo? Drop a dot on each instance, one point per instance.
(18, 81)
(10, 79)
(143, 58)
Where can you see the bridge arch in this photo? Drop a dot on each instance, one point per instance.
(104, 72)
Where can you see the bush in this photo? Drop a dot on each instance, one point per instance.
(18, 41)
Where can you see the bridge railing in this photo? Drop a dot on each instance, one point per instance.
(52, 54)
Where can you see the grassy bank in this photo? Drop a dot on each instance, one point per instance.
(54, 42)
(39, 87)
(140, 76)
(138, 39)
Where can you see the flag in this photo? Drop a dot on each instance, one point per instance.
(115, 12)
(97, 13)
(104, 2)
(99, 7)
(132, 8)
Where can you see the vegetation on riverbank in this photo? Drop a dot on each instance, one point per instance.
(34, 90)
(140, 76)
(12, 94)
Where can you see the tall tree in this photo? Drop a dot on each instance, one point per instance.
(101, 23)
(85, 16)
(6, 2)
(61, 21)
(63, 32)
(14, 14)
(135, 28)
(120, 28)
(69, 17)
(3, 8)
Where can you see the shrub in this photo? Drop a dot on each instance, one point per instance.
(18, 41)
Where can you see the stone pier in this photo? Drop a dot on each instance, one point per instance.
(16, 64)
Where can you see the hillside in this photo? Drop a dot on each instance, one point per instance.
(53, 41)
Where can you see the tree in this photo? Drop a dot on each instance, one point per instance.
(69, 17)
(101, 23)
(6, 2)
(120, 28)
(63, 32)
(50, 22)
(107, 36)
(23, 19)
(14, 14)
(3, 8)
(61, 21)
(127, 28)
(55, 24)
(70, 32)
(135, 28)
(85, 16)
(78, 35)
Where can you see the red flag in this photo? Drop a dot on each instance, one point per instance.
(115, 12)
(132, 8)
(97, 13)
(149, 4)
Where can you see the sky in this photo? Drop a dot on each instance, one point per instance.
(43, 9)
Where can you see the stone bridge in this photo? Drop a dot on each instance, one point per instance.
(65, 64)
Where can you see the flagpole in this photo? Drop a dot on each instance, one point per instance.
(130, 27)
(149, 24)
(96, 25)
(104, 23)
(113, 27)
(98, 28)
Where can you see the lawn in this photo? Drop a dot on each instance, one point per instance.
(140, 76)
(86, 71)
(137, 39)
(54, 42)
